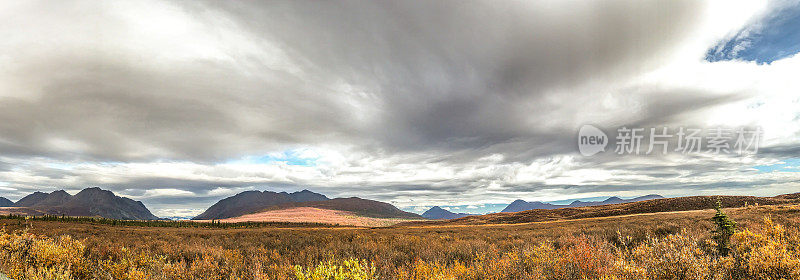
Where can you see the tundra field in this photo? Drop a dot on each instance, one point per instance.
(670, 245)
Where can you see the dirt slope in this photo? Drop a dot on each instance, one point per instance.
(315, 215)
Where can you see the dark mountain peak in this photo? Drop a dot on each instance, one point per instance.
(95, 201)
(94, 193)
(31, 199)
(4, 202)
(435, 211)
(613, 200)
(248, 202)
(92, 201)
(55, 198)
(306, 195)
(521, 205)
(438, 213)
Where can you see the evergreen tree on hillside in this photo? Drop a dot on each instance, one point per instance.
(726, 227)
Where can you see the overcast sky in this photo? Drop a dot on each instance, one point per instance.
(418, 103)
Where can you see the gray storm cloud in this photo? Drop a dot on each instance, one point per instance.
(402, 76)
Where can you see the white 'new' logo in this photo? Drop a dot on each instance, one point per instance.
(591, 140)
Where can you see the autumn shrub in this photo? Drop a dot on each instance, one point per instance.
(679, 256)
(772, 252)
(354, 269)
(27, 256)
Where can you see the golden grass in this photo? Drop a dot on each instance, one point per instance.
(656, 246)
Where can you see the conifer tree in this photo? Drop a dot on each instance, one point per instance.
(726, 227)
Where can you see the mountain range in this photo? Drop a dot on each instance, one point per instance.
(253, 201)
(521, 205)
(250, 202)
(306, 205)
(686, 203)
(93, 202)
(437, 213)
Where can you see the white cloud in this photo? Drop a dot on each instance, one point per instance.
(167, 193)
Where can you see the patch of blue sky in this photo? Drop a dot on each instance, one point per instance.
(288, 157)
(60, 165)
(789, 165)
(774, 37)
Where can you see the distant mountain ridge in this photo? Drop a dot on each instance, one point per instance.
(647, 206)
(88, 202)
(521, 205)
(4, 202)
(253, 201)
(438, 213)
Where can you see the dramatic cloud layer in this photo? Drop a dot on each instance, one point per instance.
(413, 102)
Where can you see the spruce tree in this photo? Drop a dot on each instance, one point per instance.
(726, 227)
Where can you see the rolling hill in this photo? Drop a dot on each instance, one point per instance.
(640, 207)
(88, 202)
(437, 213)
(358, 206)
(304, 206)
(521, 205)
(253, 201)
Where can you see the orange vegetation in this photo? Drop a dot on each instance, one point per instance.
(315, 215)
(675, 245)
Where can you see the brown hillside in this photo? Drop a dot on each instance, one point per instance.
(359, 206)
(254, 201)
(23, 211)
(315, 215)
(789, 196)
(649, 206)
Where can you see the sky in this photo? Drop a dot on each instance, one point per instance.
(417, 103)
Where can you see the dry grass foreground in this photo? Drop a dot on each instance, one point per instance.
(19, 211)
(655, 246)
(315, 215)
